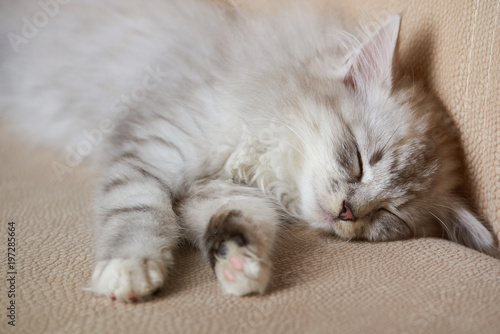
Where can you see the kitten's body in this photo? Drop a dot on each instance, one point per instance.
(225, 102)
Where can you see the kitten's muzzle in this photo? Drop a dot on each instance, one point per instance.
(346, 213)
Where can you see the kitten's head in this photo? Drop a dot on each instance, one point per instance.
(383, 162)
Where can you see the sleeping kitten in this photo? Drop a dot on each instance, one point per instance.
(225, 123)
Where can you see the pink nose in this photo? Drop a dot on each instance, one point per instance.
(346, 213)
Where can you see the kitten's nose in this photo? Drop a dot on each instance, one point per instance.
(346, 213)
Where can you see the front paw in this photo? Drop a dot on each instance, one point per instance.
(127, 280)
(239, 270)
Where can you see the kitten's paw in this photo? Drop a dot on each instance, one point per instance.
(239, 270)
(127, 280)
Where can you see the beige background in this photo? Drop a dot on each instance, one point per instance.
(320, 285)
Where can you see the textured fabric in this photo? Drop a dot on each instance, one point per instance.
(320, 285)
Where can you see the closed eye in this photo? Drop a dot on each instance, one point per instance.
(360, 165)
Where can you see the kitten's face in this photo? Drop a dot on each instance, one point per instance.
(368, 178)
(382, 163)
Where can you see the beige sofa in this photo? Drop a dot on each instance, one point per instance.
(320, 285)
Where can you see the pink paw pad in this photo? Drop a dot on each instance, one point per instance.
(236, 263)
(229, 275)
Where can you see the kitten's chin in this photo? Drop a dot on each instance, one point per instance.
(346, 230)
(336, 227)
(320, 219)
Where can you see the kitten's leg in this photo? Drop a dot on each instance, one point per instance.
(136, 231)
(235, 228)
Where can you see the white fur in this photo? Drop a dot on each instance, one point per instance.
(127, 279)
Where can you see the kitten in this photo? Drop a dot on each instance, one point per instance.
(225, 123)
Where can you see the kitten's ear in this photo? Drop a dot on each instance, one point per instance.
(371, 65)
(464, 228)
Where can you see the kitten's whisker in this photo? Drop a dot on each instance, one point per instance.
(291, 234)
(345, 241)
(296, 149)
(442, 223)
(441, 206)
(386, 145)
(287, 126)
(293, 131)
